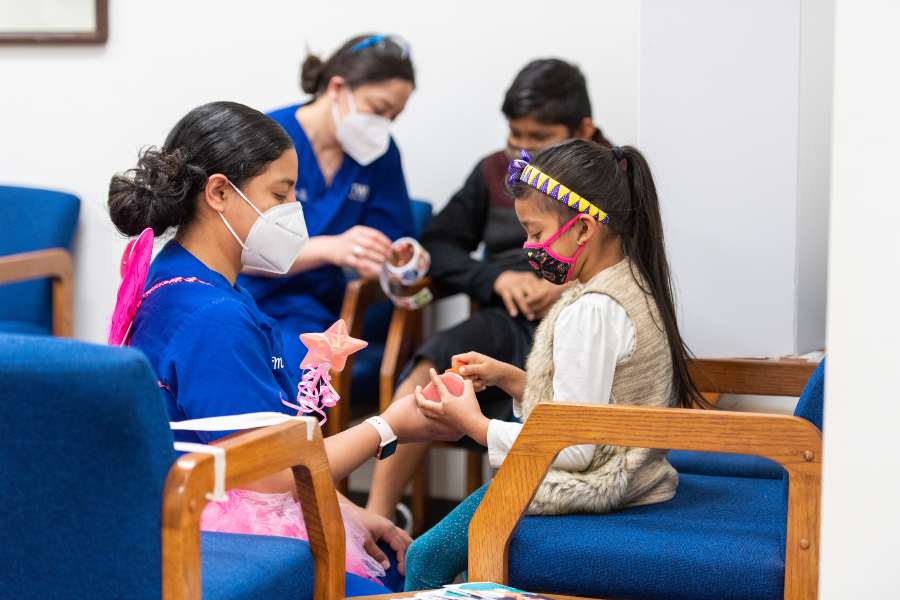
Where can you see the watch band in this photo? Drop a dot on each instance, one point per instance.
(388, 442)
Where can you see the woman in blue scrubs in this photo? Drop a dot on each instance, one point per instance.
(225, 181)
(350, 181)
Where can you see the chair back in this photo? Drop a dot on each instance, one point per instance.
(33, 219)
(422, 211)
(85, 448)
(811, 403)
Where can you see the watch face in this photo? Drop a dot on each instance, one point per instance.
(387, 450)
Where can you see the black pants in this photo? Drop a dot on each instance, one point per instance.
(490, 331)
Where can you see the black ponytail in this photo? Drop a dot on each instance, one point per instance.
(645, 246)
(620, 182)
(161, 191)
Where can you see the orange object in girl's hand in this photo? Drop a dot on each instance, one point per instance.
(455, 364)
(454, 382)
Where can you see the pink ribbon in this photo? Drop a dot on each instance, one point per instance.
(315, 392)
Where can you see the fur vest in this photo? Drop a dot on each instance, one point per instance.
(617, 477)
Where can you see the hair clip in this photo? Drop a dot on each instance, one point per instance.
(516, 166)
(380, 40)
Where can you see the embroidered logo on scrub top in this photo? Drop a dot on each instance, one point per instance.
(359, 192)
(277, 362)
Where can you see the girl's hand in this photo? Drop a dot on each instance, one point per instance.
(411, 425)
(484, 371)
(462, 413)
(380, 528)
(360, 248)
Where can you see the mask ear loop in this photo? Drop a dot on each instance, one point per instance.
(566, 226)
(228, 225)
(574, 262)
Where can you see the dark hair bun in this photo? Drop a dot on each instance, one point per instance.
(311, 73)
(158, 193)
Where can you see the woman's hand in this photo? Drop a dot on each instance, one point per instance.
(360, 248)
(411, 425)
(484, 371)
(379, 528)
(462, 413)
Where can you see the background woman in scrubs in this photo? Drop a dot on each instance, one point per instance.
(225, 181)
(350, 181)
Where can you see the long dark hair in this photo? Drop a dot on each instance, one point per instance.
(366, 58)
(220, 137)
(624, 189)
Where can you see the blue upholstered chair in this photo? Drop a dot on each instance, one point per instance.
(714, 377)
(95, 504)
(720, 537)
(368, 315)
(35, 260)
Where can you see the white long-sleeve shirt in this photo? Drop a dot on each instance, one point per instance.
(590, 337)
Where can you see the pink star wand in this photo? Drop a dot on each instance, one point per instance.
(325, 351)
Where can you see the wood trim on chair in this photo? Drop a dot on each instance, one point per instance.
(791, 441)
(358, 296)
(250, 456)
(765, 377)
(54, 264)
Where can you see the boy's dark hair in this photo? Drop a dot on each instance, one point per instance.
(550, 91)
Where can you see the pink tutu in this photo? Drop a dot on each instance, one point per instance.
(279, 514)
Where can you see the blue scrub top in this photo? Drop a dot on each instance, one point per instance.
(214, 352)
(374, 195)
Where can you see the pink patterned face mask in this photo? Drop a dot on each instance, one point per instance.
(553, 267)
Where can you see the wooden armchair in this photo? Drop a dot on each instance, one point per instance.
(54, 264)
(793, 442)
(38, 226)
(102, 507)
(250, 456)
(766, 377)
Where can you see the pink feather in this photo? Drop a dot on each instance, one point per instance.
(133, 269)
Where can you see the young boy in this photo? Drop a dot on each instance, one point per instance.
(547, 103)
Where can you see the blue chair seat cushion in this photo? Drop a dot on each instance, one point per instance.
(23, 328)
(720, 537)
(246, 567)
(727, 465)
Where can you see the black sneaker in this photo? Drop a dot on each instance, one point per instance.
(403, 518)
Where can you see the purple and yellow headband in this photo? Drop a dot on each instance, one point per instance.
(521, 170)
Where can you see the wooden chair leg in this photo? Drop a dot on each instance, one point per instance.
(420, 497)
(474, 474)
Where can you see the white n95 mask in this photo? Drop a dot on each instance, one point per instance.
(275, 239)
(365, 137)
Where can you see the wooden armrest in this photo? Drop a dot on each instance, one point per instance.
(778, 377)
(250, 456)
(791, 441)
(359, 295)
(53, 263)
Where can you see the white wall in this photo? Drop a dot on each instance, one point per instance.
(72, 116)
(813, 167)
(861, 488)
(720, 123)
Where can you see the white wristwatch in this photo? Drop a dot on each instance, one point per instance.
(388, 439)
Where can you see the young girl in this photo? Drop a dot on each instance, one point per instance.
(224, 180)
(591, 216)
